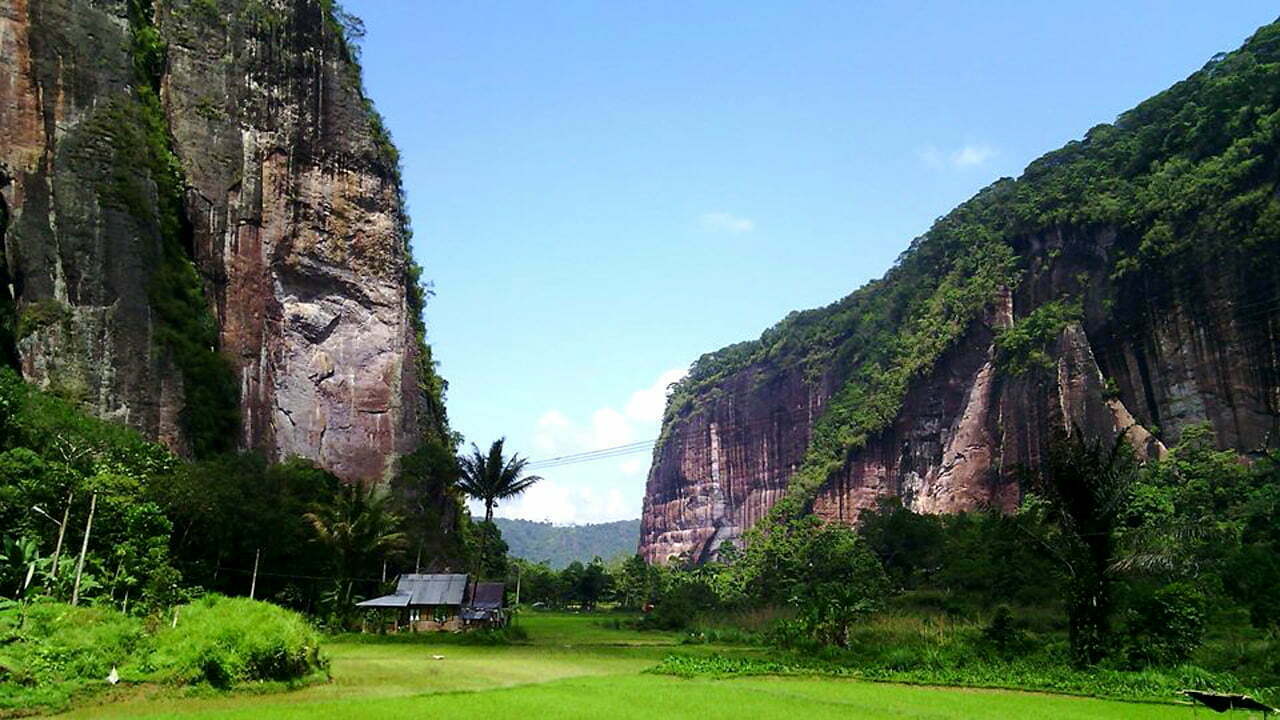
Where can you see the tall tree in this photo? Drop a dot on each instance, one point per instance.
(492, 477)
(359, 529)
(1088, 485)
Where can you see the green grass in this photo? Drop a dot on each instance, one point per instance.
(647, 697)
(577, 666)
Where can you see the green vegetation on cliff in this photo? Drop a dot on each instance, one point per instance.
(184, 325)
(1184, 179)
(1117, 579)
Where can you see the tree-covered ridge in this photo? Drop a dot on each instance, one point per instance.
(1186, 178)
(560, 545)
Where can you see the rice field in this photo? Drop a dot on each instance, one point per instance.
(577, 667)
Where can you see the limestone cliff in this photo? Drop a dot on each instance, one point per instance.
(1130, 280)
(204, 231)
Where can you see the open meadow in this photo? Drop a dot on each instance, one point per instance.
(577, 666)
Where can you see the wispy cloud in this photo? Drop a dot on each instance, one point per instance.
(966, 156)
(562, 505)
(557, 434)
(725, 222)
(561, 497)
(971, 155)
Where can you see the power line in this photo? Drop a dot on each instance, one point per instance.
(645, 445)
(1258, 314)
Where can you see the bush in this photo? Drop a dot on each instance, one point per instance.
(48, 651)
(226, 641)
(54, 642)
(682, 604)
(1002, 634)
(1167, 626)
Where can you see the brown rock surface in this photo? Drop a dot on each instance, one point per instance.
(967, 428)
(294, 211)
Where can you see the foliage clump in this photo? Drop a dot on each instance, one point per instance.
(1025, 345)
(143, 159)
(229, 641)
(51, 651)
(41, 314)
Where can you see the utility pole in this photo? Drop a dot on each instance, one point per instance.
(84, 549)
(253, 584)
(518, 569)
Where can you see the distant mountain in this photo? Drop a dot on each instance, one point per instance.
(560, 545)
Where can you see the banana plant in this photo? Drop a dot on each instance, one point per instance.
(19, 558)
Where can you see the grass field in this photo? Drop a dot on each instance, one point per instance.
(576, 667)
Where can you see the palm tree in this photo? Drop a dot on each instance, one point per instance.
(358, 528)
(493, 477)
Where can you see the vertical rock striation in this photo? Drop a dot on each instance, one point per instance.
(1127, 282)
(204, 212)
(295, 199)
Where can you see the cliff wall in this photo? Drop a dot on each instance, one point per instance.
(204, 231)
(1128, 281)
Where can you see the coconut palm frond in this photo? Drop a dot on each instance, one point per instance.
(492, 476)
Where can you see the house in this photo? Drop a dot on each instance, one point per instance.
(439, 602)
(485, 608)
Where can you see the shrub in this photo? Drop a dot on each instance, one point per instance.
(682, 604)
(1167, 626)
(225, 641)
(1002, 634)
(48, 651)
(52, 642)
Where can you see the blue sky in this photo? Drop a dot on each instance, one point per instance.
(603, 191)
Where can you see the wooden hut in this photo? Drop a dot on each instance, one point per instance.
(440, 602)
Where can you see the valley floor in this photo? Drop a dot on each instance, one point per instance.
(574, 667)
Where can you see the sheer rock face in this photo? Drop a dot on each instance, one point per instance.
(77, 258)
(294, 213)
(1146, 361)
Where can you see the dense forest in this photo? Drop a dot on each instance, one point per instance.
(559, 545)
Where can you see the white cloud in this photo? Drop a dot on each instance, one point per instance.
(972, 155)
(648, 404)
(552, 430)
(600, 491)
(556, 434)
(558, 503)
(725, 222)
(967, 156)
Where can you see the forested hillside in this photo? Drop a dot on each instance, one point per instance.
(559, 545)
(1129, 280)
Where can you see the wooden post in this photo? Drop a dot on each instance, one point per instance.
(62, 531)
(116, 580)
(84, 549)
(253, 584)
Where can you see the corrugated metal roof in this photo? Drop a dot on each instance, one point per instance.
(396, 600)
(433, 589)
(414, 589)
(488, 595)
